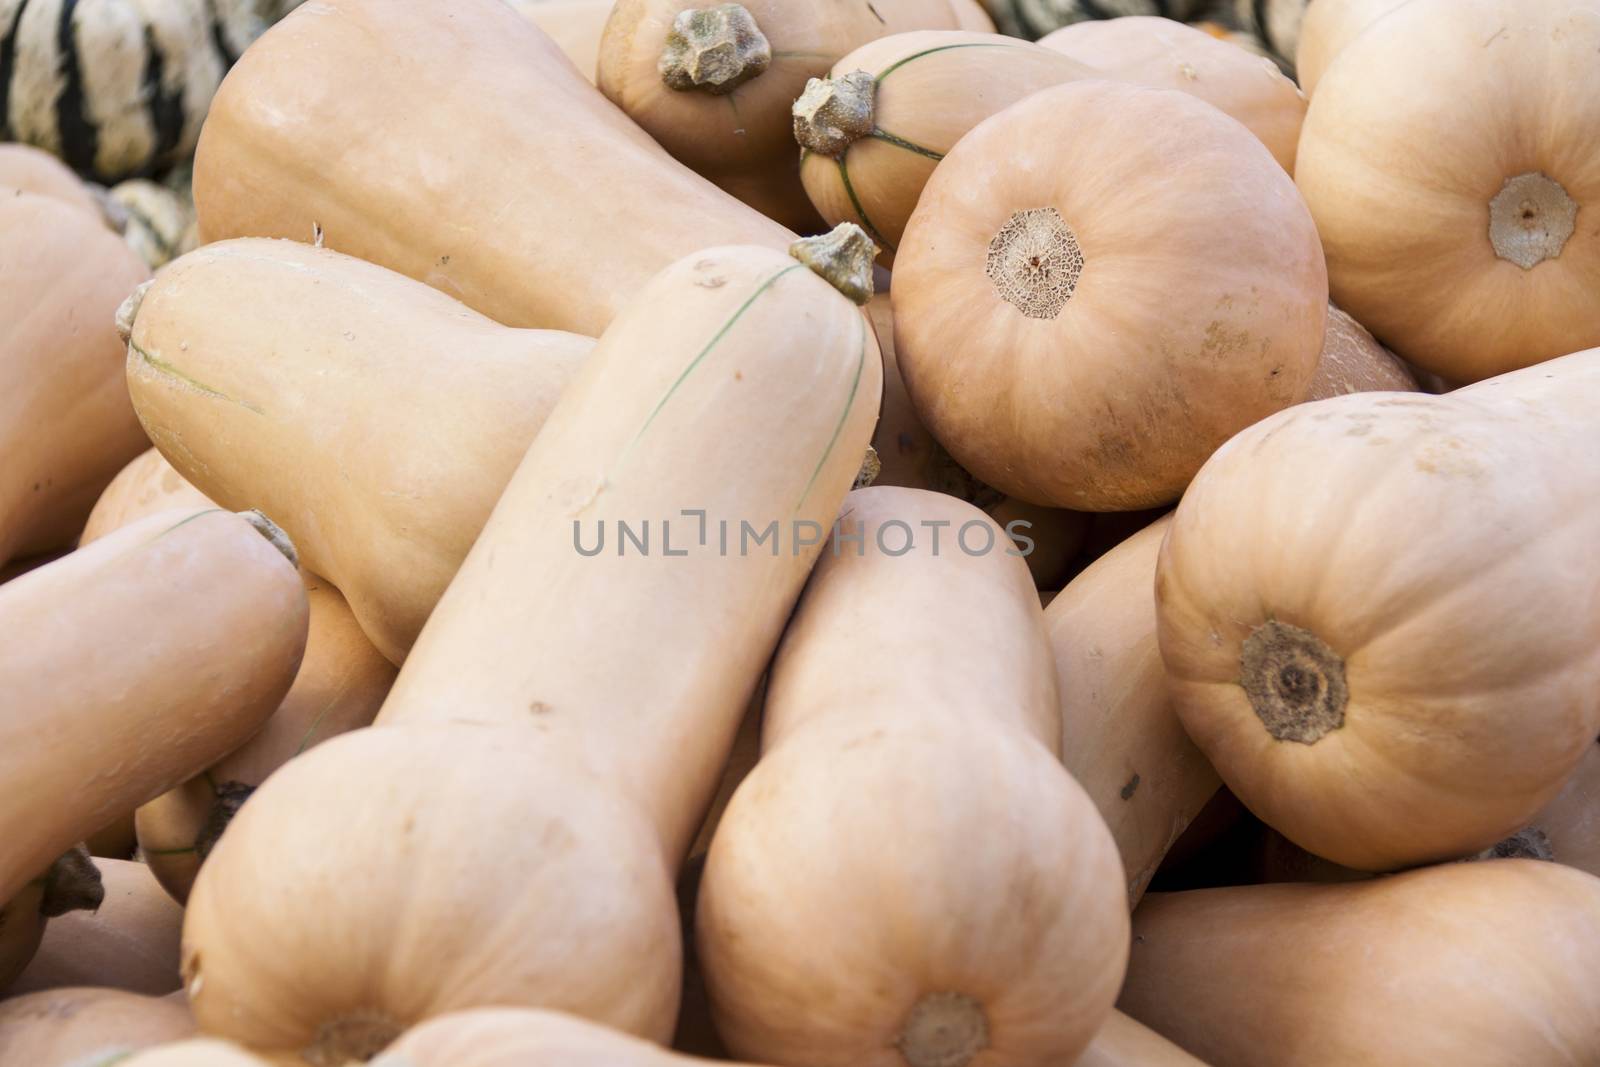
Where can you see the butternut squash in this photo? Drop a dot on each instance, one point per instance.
(551, 792)
(85, 1026)
(198, 1052)
(1164, 54)
(340, 686)
(115, 840)
(992, 929)
(220, 617)
(65, 423)
(318, 130)
(713, 82)
(145, 486)
(377, 420)
(129, 942)
(33, 170)
(1458, 228)
(512, 1037)
(1473, 964)
(574, 25)
(1329, 26)
(1120, 736)
(1376, 721)
(873, 130)
(1123, 1042)
(1085, 325)
(1354, 362)
(910, 457)
(971, 15)
(71, 883)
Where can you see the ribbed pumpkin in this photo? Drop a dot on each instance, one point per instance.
(1381, 695)
(1083, 326)
(1454, 198)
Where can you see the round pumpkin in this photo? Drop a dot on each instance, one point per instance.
(1085, 324)
(1455, 196)
(1169, 55)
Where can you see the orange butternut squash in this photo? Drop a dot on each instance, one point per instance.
(713, 82)
(511, 1037)
(910, 457)
(1379, 722)
(1165, 54)
(129, 942)
(554, 793)
(221, 622)
(873, 130)
(81, 1025)
(1458, 229)
(955, 944)
(378, 420)
(1473, 964)
(318, 130)
(1329, 26)
(66, 427)
(1052, 324)
(145, 486)
(1120, 736)
(1354, 362)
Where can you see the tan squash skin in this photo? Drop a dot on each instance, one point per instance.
(929, 88)
(507, 222)
(742, 139)
(340, 687)
(33, 170)
(1150, 363)
(1121, 738)
(1329, 26)
(65, 423)
(200, 1052)
(1426, 211)
(86, 1027)
(143, 487)
(511, 1037)
(1354, 362)
(970, 15)
(319, 401)
(22, 927)
(1164, 54)
(912, 458)
(1431, 708)
(1473, 965)
(129, 943)
(574, 25)
(222, 620)
(757, 398)
(1123, 1042)
(115, 840)
(956, 944)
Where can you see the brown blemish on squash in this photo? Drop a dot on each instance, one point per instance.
(1531, 219)
(1295, 682)
(943, 1030)
(358, 1036)
(1127, 790)
(1034, 262)
(714, 49)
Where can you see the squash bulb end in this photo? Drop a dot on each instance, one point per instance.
(842, 257)
(357, 1038)
(834, 113)
(1530, 220)
(943, 1030)
(1295, 682)
(714, 49)
(1034, 262)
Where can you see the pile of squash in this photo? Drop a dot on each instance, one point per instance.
(810, 534)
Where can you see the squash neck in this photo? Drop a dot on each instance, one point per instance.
(943, 1030)
(714, 50)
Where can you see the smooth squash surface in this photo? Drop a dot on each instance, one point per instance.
(509, 1037)
(81, 1025)
(536, 216)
